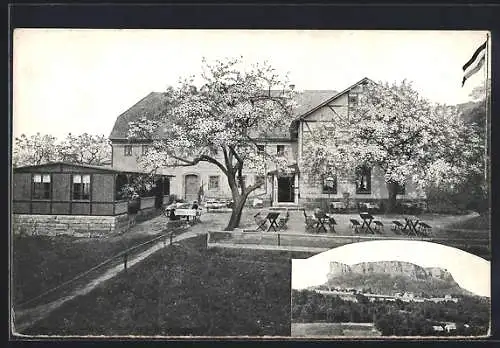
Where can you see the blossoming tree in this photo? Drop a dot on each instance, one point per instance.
(396, 130)
(85, 149)
(219, 121)
(34, 150)
(43, 148)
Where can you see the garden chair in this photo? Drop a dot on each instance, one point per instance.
(355, 225)
(397, 226)
(424, 228)
(332, 223)
(310, 220)
(379, 226)
(260, 221)
(282, 223)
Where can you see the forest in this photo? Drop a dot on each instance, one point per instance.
(470, 314)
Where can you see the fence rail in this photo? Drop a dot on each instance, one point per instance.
(328, 241)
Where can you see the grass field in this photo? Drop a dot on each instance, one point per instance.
(481, 222)
(185, 290)
(334, 329)
(41, 263)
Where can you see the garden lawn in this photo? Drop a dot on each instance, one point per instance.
(479, 222)
(185, 289)
(41, 263)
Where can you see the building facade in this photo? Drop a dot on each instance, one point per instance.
(315, 108)
(67, 198)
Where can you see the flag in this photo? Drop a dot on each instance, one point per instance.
(475, 62)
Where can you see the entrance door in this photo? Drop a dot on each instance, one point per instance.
(159, 193)
(285, 189)
(191, 187)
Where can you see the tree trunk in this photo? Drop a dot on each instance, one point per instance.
(234, 221)
(392, 189)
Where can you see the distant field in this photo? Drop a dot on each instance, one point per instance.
(334, 329)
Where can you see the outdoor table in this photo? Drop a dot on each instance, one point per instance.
(272, 217)
(367, 221)
(337, 205)
(195, 213)
(322, 219)
(411, 225)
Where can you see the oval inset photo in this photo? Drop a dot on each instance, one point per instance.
(388, 289)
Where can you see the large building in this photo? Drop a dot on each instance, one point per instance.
(296, 188)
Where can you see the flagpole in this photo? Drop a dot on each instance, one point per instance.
(486, 101)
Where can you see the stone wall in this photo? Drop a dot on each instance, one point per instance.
(73, 225)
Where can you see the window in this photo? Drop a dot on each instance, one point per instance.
(363, 180)
(261, 148)
(353, 99)
(213, 182)
(145, 149)
(330, 184)
(41, 186)
(280, 150)
(127, 150)
(81, 187)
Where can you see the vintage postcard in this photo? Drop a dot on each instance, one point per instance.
(163, 181)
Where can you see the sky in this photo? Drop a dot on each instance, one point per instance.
(469, 271)
(81, 80)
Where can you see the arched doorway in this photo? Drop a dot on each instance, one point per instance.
(191, 187)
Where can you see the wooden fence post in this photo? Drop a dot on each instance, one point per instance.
(125, 257)
(279, 240)
(171, 237)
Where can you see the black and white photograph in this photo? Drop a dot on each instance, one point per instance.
(163, 181)
(390, 289)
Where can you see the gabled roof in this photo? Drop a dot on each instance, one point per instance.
(329, 100)
(305, 100)
(147, 106)
(154, 101)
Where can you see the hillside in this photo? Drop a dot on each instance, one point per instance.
(390, 277)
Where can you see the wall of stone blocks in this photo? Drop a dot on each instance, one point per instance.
(72, 225)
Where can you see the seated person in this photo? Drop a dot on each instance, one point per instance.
(172, 215)
(318, 212)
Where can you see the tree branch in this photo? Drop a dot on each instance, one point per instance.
(235, 154)
(195, 161)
